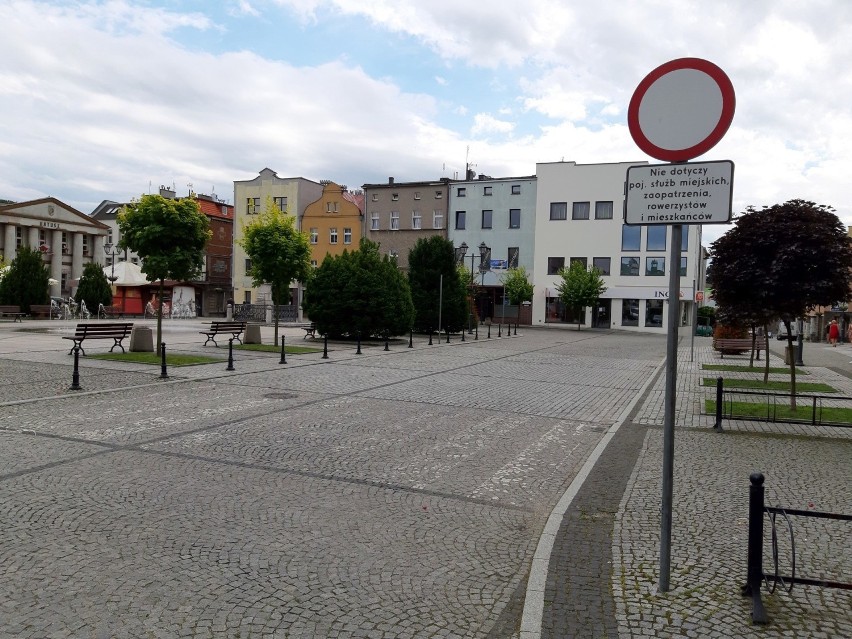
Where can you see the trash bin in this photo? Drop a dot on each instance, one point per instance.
(252, 334)
(789, 355)
(141, 339)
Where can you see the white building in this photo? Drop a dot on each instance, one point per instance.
(579, 216)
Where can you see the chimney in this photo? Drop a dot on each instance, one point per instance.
(167, 193)
(390, 180)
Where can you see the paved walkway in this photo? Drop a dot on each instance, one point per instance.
(391, 494)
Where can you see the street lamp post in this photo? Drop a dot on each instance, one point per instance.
(112, 251)
(484, 252)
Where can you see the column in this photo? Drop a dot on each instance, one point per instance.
(56, 262)
(32, 237)
(98, 249)
(76, 255)
(9, 249)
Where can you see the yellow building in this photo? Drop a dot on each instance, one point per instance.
(333, 222)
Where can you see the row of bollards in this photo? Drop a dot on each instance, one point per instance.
(75, 376)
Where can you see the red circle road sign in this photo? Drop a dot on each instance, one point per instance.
(681, 109)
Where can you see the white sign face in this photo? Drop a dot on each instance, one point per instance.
(688, 193)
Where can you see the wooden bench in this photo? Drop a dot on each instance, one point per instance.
(12, 311)
(113, 331)
(736, 345)
(310, 329)
(220, 328)
(41, 310)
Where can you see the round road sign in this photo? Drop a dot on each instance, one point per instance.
(681, 109)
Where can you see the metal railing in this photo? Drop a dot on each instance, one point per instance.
(755, 576)
(257, 312)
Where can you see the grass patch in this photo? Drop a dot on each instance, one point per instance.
(782, 411)
(172, 359)
(773, 385)
(271, 348)
(739, 368)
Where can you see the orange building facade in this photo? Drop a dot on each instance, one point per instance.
(333, 222)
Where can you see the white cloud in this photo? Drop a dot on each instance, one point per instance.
(483, 124)
(441, 81)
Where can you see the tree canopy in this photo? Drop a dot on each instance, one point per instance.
(518, 286)
(359, 292)
(279, 253)
(579, 287)
(170, 236)
(26, 280)
(94, 287)
(429, 260)
(780, 262)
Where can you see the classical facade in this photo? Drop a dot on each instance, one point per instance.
(67, 238)
(334, 222)
(290, 195)
(579, 210)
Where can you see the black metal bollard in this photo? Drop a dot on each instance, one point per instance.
(75, 376)
(164, 374)
(476, 337)
(754, 567)
(719, 387)
(411, 339)
(500, 329)
(230, 355)
(516, 327)
(358, 352)
(283, 351)
(386, 343)
(430, 336)
(462, 334)
(489, 330)
(325, 347)
(448, 336)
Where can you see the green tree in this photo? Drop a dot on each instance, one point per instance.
(782, 261)
(94, 287)
(361, 292)
(26, 281)
(170, 236)
(429, 260)
(518, 286)
(280, 254)
(579, 287)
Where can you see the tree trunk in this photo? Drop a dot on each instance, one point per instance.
(275, 320)
(766, 349)
(792, 367)
(753, 344)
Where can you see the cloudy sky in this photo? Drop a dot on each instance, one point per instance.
(106, 100)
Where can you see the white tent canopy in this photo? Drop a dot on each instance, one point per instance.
(127, 274)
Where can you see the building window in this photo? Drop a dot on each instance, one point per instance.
(682, 272)
(631, 238)
(602, 264)
(331, 207)
(439, 195)
(461, 191)
(684, 239)
(395, 197)
(580, 260)
(314, 235)
(656, 238)
(65, 248)
(347, 236)
(375, 197)
(655, 266)
(134, 260)
(654, 313)
(630, 312)
(487, 214)
(248, 265)
(314, 263)
(514, 256)
(559, 210)
(246, 297)
(516, 189)
(416, 220)
(580, 211)
(374, 221)
(332, 235)
(630, 266)
(394, 221)
(460, 215)
(19, 237)
(603, 210)
(280, 203)
(437, 220)
(41, 237)
(486, 190)
(514, 218)
(85, 244)
(252, 205)
(554, 265)
(417, 195)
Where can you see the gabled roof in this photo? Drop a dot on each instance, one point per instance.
(6, 208)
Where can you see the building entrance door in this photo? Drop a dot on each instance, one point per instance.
(601, 314)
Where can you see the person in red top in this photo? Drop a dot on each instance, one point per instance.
(833, 332)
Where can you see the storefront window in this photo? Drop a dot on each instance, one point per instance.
(654, 313)
(630, 313)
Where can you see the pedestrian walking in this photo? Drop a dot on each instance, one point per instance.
(833, 332)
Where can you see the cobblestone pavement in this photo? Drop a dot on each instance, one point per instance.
(393, 494)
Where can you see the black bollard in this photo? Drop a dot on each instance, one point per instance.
(325, 347)
(719, 384)
(411, 339)
(754, 558)
(283, 351)
(489, 330)
(430, 336)
(462, 332)
(516, 327)
(358, 352)
(448, 336)
(164, 374)
(75, 376)
(500, 329)
(477, 332)
(230, 355)
(386, 342)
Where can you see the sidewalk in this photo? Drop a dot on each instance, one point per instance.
(603, 573)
